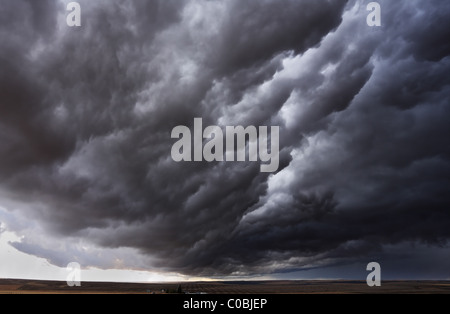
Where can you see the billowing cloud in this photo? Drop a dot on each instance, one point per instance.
(86, 115)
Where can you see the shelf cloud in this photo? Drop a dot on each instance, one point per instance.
(86, 115)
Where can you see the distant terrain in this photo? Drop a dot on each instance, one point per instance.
(15, 286)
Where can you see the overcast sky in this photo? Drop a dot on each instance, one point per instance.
(86, 115)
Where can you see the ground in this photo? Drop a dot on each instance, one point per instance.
(14, 286)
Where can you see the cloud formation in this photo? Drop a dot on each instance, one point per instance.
(86, 115)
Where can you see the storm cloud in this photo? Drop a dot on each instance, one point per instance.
(86, 115)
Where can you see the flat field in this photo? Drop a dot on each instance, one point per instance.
(14, 286)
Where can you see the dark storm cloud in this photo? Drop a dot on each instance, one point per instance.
(86, 115)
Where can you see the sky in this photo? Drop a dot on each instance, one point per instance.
(86, 115)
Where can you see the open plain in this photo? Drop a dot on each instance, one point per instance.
(15, 286)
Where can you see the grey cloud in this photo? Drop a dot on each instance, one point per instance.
(85, 123)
